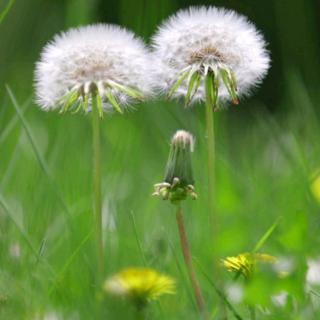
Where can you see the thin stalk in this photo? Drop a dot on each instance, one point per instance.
(140, 313)
(213, 223)
(252, 311)
(211, 161)
(97, 183)
(188, 261)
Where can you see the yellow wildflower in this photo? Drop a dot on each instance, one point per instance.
(315, 187)
(244, 263)
(140, 284)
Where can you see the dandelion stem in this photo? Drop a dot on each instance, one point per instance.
(188, 261)
(97, 183)
(252, 311)
(210, 102)
(211, 159)
(140, 313)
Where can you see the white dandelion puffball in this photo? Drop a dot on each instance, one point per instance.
(106, 59)
(208, 39)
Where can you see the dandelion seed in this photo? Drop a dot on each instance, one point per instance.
(178, 182)
(245, 263)
(209, 53)
(105, 60)
(140, 284)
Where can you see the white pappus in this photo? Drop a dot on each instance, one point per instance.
(106, 59)
(202, 40)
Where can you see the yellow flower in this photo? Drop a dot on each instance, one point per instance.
(140, 284)
(315, 187)
(244, 263)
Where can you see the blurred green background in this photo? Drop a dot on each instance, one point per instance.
(267, 154)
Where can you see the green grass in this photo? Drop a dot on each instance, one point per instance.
(263, 168)
(264, 163)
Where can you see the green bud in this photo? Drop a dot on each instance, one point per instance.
(179, 161)
(178, 180)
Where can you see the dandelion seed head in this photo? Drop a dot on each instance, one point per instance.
(92, 57)
(209, 37)
(140, 284)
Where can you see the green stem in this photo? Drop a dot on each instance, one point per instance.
(188, 261)
(97, 183)
(211, 160)
(140, 313)
(213, 223)
(252, 311)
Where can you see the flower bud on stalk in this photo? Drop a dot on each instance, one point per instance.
(178, 181)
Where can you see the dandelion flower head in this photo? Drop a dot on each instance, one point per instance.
(140, 284)
(208, 42)
(103, 59)
(315, 187)
(245, 263)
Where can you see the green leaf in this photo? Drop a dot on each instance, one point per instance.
(113, 101)
(266, 235)
(6, 10)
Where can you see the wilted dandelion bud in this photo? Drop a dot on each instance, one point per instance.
(104, 62)
(245, 263)
(141, 285)
(178, 181)
(207, 53)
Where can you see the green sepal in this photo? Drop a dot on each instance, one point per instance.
(79, 107)
(229, 81)
(133, 93)
(113, 101)
(193, 86)
(178, 83)
(211, 87)
(99, 105)
(86, 103)
(70, 99)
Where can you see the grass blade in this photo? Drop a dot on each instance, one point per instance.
(37, 153)
(266, 235)
(23, 233)
(137, 238)
(6, 10)
(220, 293)
(10, 126)
(69, 261)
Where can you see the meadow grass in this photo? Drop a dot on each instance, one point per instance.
(264, 165)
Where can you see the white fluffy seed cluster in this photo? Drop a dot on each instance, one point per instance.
(95, 54)
(184, 138)
(215, 35)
